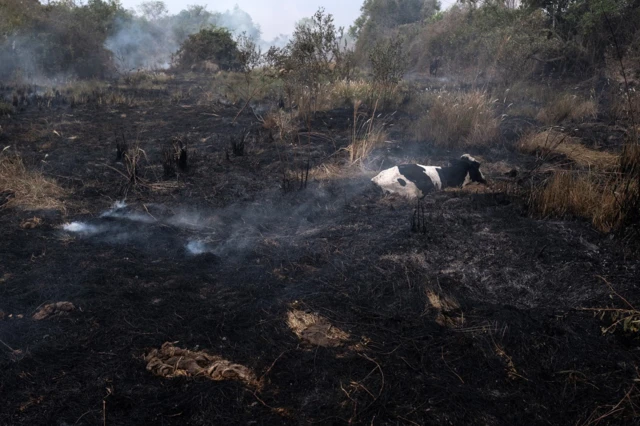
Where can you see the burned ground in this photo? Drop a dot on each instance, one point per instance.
(481, 320)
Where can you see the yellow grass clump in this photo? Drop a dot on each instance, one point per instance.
(25, 188)
(555, 142)
(569, 193)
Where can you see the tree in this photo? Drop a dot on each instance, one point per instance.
(388, 61)
(153, 10)
(387, 14)
(210, 44)
(249, 53)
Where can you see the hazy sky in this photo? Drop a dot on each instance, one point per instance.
(277, 16)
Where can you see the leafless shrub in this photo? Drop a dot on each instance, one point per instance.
(237, 143)
(121, 147)
(175, 158)
(169, 162)
(296, 179)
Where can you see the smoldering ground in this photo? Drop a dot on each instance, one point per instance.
(232, 232)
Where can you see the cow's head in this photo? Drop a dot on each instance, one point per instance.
(474, 169)
(464, 170)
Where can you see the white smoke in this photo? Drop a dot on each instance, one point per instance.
(81, 228)
(119, 211)
(196, 247)
(232, 232)
(141, 43)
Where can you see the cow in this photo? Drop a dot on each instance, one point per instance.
(416, 181)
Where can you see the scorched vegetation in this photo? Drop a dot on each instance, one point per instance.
(189, 233)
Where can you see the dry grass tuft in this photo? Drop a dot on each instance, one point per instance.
(587, 195)
(28, 189)
(457, 120)
(170, 361)
(623, 108)
(367, 135)
(282, 123)
(314, 329)
(447, 309)
(567, 107)
(551, 142)
(347, 93)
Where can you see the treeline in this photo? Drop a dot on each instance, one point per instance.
(505, 39)
(100, 38)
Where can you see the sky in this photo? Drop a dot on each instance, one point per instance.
(277, 16)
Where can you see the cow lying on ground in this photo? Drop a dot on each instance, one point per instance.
(416, 181)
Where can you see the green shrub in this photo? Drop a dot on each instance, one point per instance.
(213, 45)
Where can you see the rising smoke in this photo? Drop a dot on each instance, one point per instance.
(64, 41)
(150, 42)
(230, 232)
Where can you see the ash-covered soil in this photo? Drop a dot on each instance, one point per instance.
(339, 311)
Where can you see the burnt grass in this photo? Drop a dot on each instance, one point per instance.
(518, 347)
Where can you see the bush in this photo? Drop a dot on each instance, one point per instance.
(388, 61)
(311, 60)
(58, 38)
(212, 45)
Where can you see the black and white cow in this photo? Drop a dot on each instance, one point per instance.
(416, 181)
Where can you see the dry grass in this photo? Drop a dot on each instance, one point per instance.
(447, 308)
(551, 142)
(607, 195)
(282, 123)
(521, 98)
(347, 93)
(29, 189)
(457, 120)
(584, 195)
(147, 79)
(568, 107)
(623, 108)
(171, 361)
(314, 329)
(239, 87)
(88, 91)
(367, 134)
